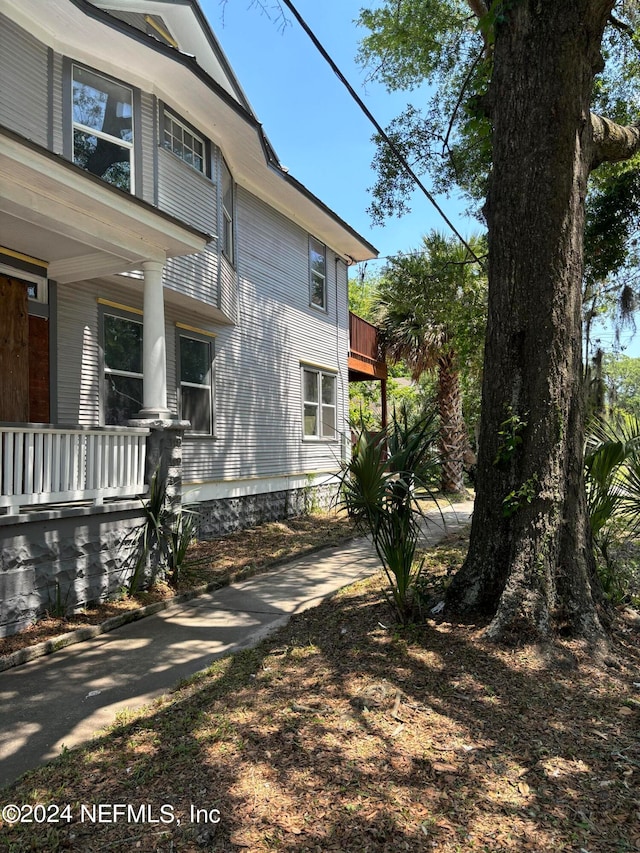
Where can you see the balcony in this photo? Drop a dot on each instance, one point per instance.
(45, 465)
(365, 359)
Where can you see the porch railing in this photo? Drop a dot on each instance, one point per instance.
(41, 464)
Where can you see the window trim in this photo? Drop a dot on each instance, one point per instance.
(313, 272)
(165, 110)
(133, 146)
(321, 373)
(133, 315)
(208, 338)
(227, 216)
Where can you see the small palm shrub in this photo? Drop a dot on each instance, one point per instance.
(381, 488)
(163, 537)
(612, 476)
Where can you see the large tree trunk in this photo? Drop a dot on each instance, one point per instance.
(453, 432)
(530, 564)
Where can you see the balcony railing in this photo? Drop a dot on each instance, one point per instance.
(363, 338)
(41, 464)
(365, 358)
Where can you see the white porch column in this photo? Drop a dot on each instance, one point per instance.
(154, 346)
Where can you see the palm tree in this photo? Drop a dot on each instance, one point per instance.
(431, 313)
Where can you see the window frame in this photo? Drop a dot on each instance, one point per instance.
(321, 374)
(209, 340)
(313, 273)
(166, 111)
(132, 315)
(228, 235)
(132, 146)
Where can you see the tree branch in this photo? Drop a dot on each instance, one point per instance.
(478, 7)
(613, 142)
(621, 26)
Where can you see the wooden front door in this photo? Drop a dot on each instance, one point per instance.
(24, 357)
(14, 351)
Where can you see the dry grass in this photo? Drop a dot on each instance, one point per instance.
(342, 733)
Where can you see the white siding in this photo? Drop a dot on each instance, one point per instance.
(191, 197)
(258, 393)
(24, 73)
(58, 130)
(148, 106)
(78, 355)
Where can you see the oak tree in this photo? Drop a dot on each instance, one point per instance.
(526, 72)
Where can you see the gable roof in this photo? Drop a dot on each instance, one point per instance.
(201, 87)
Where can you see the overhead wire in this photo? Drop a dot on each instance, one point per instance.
(383, 134)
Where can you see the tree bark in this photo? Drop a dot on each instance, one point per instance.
(530, 563)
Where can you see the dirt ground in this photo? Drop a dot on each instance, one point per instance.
(344, 732)
(216, 562)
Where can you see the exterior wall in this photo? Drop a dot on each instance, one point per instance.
(257, 373)
(24, 72)
(222, 517)
(63, 560)
(258, 376)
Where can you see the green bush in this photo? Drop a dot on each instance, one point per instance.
(612, 474)
(381, 488)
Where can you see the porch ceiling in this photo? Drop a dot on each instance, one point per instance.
(83, 228)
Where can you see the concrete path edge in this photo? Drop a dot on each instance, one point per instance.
(88, 632)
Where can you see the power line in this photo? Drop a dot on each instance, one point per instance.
(394, 148)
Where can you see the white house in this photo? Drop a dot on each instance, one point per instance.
(168, 291)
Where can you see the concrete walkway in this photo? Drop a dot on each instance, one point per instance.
(63, 699)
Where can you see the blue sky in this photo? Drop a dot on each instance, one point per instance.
(316, 128)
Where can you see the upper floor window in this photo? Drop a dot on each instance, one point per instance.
(318, 403)
(227, 212)
(183, 142)
(103, 127)
(317, 273)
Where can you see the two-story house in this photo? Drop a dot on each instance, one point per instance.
(166, 288)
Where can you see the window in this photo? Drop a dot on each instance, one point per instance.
(227, 212)
(317, 273)
(122, 368)
(183, 142)
(196, 359)
(103, 127)
(318, 403)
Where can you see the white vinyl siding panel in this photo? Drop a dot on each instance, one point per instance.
(192, 198)
(57, 87)
(78, 354)
(257, 363)
(147, 133)
(24, 72)
(185, 193)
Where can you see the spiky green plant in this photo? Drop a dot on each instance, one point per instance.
(163, 537)
(381, 488)
(612, 475)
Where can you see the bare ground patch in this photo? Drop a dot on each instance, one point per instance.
(344, 733)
